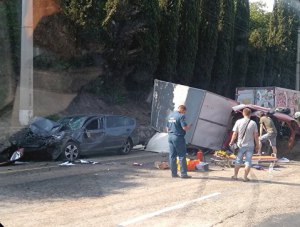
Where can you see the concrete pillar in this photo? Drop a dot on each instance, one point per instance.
(26, 77)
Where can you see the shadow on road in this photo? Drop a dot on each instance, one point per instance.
(69, 182)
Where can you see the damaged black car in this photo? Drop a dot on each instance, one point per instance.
(74, 136)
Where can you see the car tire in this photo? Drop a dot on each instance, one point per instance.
(70, 151)
(127, 147)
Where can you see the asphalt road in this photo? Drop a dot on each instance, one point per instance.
(114, 192)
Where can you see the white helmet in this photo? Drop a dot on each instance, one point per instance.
(297, 115)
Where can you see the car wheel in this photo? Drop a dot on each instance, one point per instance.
(70, 151)
(126, 147)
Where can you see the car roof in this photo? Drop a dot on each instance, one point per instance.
(95, 115)
(280, 116)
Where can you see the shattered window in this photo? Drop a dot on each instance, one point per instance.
(76, 122)
(93, 125)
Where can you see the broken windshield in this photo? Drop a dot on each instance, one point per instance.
(73, 123)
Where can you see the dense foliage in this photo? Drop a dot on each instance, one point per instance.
(133, 44)
(240, 49)
(168, 31)
(221, 74)
(282, 44)
(259, 25)
(207, 43)
(210, 44)
(187, 40)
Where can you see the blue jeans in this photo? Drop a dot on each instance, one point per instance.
(248, 152)
(177, 148)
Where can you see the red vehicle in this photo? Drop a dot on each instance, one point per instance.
(286, 125)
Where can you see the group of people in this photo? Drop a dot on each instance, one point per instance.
(245, 134)
(248, 140)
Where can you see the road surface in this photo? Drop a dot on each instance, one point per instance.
(114, 192)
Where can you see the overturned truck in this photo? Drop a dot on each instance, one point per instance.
(208, 112)
(212, 117)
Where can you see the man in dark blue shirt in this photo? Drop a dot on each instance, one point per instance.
(177, 128)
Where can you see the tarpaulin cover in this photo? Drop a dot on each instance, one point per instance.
(158, 143)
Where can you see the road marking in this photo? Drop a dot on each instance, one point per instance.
(167, 209)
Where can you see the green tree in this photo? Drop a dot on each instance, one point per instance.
(240, 49)
(222, 64)
(187, 41)
(207, 43)
(87, 15)
(282, 45)
(145, 48)
(168, 30)
(133, 49)
(13, 14)
(10, 25)
(259, 22)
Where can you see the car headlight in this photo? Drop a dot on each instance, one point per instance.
(59, 136)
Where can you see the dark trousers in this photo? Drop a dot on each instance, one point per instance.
(177, 148)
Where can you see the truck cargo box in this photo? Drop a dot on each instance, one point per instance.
(208, 112)
(271, 97)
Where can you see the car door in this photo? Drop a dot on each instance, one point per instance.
(94, 138)
(116, 131)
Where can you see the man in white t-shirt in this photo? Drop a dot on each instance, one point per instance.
(246, 133)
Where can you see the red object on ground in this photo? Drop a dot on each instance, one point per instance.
(191, 165)
(200, 155)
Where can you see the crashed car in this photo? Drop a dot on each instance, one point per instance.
(73, 136)
(286, 125)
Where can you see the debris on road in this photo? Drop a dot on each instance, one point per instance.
(67, 163)
(283, 160)
(81, 161)
(258, 167)
(161, 165)
(202, 166)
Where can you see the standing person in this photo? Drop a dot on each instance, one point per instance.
(266, 124)
(177, 128)
(245, 131)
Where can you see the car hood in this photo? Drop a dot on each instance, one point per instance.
(43, 126)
